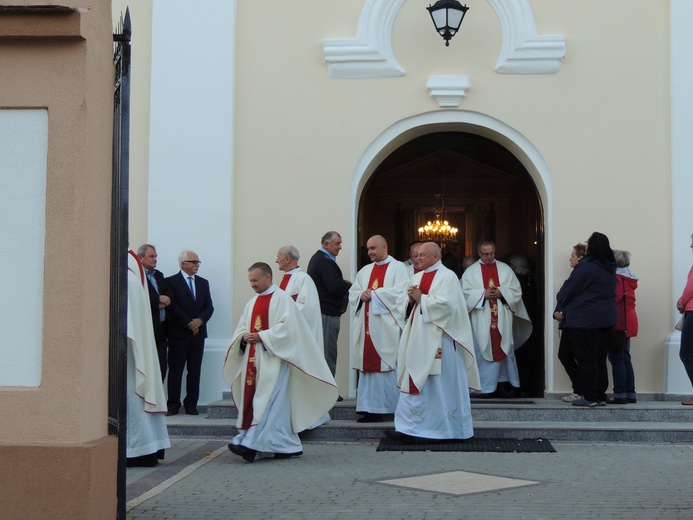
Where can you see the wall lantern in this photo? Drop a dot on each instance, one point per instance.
(447, 16)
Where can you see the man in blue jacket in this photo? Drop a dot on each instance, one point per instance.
(333, 291)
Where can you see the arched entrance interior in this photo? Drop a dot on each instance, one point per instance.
(487, 193)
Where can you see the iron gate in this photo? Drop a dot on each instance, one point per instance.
(117, 387)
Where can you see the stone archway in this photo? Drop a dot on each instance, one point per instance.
(492, 189)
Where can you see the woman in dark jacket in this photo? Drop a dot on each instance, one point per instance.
(587, 299)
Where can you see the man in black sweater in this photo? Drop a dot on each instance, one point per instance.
(333, 291)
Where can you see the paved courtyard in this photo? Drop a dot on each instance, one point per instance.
(200, 479)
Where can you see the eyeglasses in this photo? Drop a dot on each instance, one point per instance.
(196, 262)
(492, 253)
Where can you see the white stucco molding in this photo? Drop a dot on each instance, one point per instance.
(405, 130)
(523, 51)
(448, 91)
(370, 55)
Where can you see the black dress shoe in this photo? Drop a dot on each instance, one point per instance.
(191, 411)
(171, 411)
(161, 454)
(287, 455)
(247, 454)
(145, 461)
(631, 400)
(371, 418)
(401, 437)
(340, 398)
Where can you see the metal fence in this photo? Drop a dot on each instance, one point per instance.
(117, 399)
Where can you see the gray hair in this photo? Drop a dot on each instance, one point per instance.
(142, 250)
(520, 265)
(327, 237)
(290, 251)
(183, 256)
(622, 258)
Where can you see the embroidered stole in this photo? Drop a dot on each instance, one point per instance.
(489, 274)
(371, 359)
(259, 320)
(285, 283)
(424, 287)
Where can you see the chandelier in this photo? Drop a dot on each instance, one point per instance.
(438, 230)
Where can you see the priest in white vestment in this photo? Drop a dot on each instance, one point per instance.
(376, 329)
(410, 264)
(499, 319)
(300, 286)
(279, 380)
(436, 367)
(147, 436)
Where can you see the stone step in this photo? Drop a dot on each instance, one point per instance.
(550, 410)
(645, 421)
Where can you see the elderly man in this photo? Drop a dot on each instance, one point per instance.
(435, 366)
(300, 286)
(190, 310)
(413, 253)
(376, 330)
(159, 297)
(147, 436)
(279, 381)
(499, 319)
(333, 291)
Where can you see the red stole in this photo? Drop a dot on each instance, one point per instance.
(424, 287)
(371, 359)
(285, 283)
(489, 274)
(259, 320)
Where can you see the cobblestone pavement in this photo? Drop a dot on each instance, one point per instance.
(202, 480)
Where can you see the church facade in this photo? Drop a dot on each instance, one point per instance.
(541, 122)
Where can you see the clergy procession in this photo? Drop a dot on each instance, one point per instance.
(419, 335)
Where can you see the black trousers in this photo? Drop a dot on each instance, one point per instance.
(182, 353)
(590, 347)
(567, 358)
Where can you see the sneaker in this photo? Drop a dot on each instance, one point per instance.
(617, 400)
(570, 398)
(601, 403)
(584, 402)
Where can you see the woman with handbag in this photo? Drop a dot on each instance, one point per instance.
(626, 328)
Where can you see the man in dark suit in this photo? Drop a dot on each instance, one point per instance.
(159, 298)
(333, 291)
(190, 310)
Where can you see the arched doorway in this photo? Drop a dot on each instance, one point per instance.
(487, 193)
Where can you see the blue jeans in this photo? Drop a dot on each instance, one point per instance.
(622, 372)
(686, 352)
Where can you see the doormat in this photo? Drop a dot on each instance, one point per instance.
(473, 444)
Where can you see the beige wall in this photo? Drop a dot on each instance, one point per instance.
(66, 67)
(141, 16)
(601, 124)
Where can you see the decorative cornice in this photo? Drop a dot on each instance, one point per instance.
(40, 22)
(370, 54)
(523, 51)
(448, 91)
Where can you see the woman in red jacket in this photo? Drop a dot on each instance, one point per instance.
(685, 307)
(626, 328)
